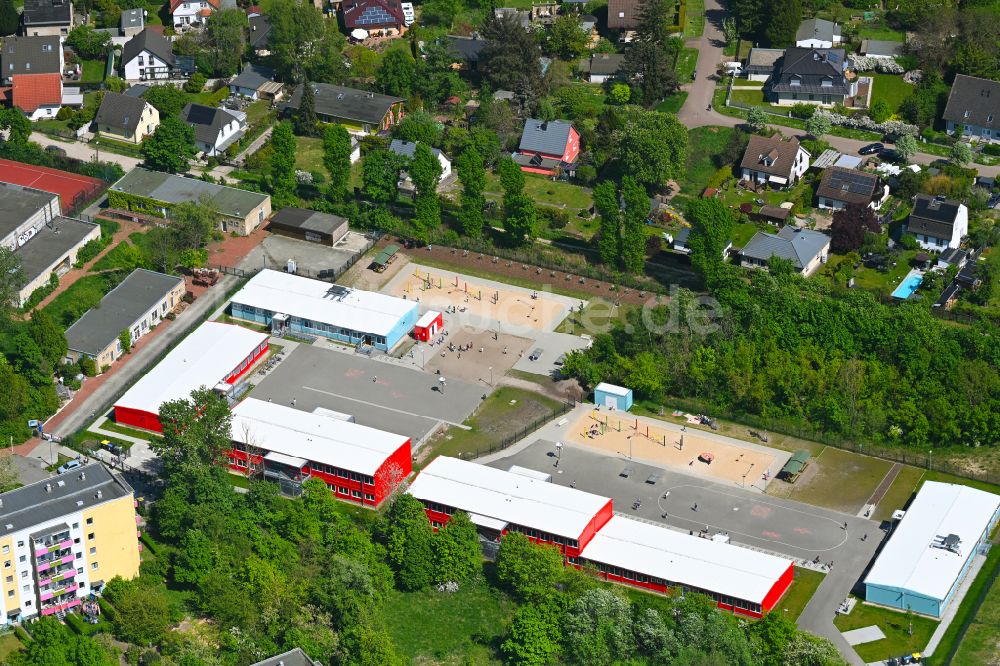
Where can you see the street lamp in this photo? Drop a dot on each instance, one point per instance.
(491, 375)
(441, 382)
(559, 446)
(930, 459)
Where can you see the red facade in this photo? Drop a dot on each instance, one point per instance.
(425, 333)
(570, 152)
(138, 418)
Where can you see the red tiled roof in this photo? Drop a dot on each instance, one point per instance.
(368, 14)
(31, 91)
(174, 4)
(254, 9)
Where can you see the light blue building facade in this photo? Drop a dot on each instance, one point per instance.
(613, 397)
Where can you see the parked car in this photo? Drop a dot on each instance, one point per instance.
(561, 360)
(69, 465)
(870, 149)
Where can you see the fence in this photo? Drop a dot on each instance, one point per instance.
(521, 433)
(326, 274)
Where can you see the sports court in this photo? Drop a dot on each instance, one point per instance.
(74, 190)
(481, 303)
(378, 394)
(689, 451)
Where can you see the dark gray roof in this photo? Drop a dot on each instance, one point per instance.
(308, 220)
(171, 189)
(974, 101)
(407, 148)
(811, 68)
(137, 90)
(57, 496)
(18, 204)
(294, 657)
(147, 40)
(30, 55)
(604, 64)
(800, 246)
(466, 48)
(849, 185)
(132, 18)
(47, 12)
(623, 14)
(260, 30)
(953, 256)
(347, 103)
(881, 47)
(775, 212)
(207, 121)
(120, 111)
(51, 244)
(121, 307)
(764, 59)
(541, 136)
(933, 216)
(253, 77)
(815, 28)
(771, 154)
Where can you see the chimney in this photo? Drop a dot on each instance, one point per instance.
(544, 126)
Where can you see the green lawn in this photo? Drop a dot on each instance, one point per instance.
(673, 103)
(899, 492)
(9, 644)
(431, 627)
(687, 63)
(839, 480)
(209, 98)
(891, 88)
(82, 295)
(880, 32)
(555, 193)
(599, 316)
(694, 24)
(309, 153)
(755, 97)
(978, 644)
(701, 162)
(257, 110)
(798, 595)
(743, 233)
(873, 280)
(894, 625)
(126, 430)
(93, 70)
(238, 480)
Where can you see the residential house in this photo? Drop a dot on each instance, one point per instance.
(974, 104)
(818, 34)
(259, 33)
(47, 17)
(812, 76)
(154, 193)
(879, 48)
(602, 67)
(938, 223)
(774, 160)
(466, 50)
(761, 63)
(839, 187)
(376, 17)
(523, 17)
(548, 147)
(38, 96)
(294, 657)
(215, 129)
(544, 13)
(623, 15)
(255, 82)
(192, 12)
(30, 55)
(406, 150)
(360, 111)
(133, 22)
(952, 257)
(147, 57)
(125, 118)
(136, 305)
(807, 250)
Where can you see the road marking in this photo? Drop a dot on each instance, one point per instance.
(391, 409)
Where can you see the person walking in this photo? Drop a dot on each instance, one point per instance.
(695, 507)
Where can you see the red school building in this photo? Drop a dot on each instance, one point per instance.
(430, 324)
(585, 528)
(214, 355)
(287, 446)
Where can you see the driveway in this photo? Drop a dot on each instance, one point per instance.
(86, 152)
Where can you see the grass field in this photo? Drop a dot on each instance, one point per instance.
(9, 644)
(894, 625)
(980, 622)
(599, 316)
(701, 162)
(687, 63)
(495, 420)
(899, 492)
(544, 191)
(93, 70)
(694, 23)
(673, 103)
(838, 480)
(798, 595)
(880, 32)
(308, 153)
(892, 89)
(438, 627)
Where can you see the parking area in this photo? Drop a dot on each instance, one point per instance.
(379, 394)
(554, 346)
(274, 252)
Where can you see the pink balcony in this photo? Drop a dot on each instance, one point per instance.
(138, 519)
(45, 596)
(44, 566)
(73, 602)
(65, 544)
(44, 582)
(49, 611)
(67, 559)
(40, 551)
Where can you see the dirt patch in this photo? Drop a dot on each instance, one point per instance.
(473, 365)
(230, 250)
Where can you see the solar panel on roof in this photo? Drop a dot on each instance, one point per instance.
(201, 115)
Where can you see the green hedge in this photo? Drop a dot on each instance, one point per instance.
(135, 203)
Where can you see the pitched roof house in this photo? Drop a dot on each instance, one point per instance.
(548, 146)
(360, 111)
(602, 67)
(407, 149)
(47, 17)
(147, 56)
(812, 76)
(806, 249)
(255, 82)
(215, 129)
(186, 12)
(818, 34)
(938, 223)
(37, 95)
(30, 55)
(126, 118)
(623, 14)
(975, 105)
(774, 160)
(839, 187)
(374, 16)
(259, 32)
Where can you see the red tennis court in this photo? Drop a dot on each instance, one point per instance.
(73, 189)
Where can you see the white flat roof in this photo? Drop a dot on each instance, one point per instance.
(612, 389)
(507, 497)
(204, 358)
(291, 461)
(534, 474)
(687, 560)
(363, 311)
(316, 437)
(427, 318)
(908, 562)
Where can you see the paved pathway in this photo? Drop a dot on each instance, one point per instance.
(85, 151)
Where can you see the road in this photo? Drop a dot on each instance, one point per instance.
(85, 152)
(695, 111)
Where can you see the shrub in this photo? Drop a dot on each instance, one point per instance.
(586, 174)
(555, 218)
(88, 366)
(884, 64)
(196, 83)
(803, 110)
(992, 149)
(720, 176)
(64, 113)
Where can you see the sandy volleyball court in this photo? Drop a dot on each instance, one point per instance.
(625, 435)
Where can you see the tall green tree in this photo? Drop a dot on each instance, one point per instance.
(171, 146)
(87, 42)
(48, 335)
(609, 208)
(566, 39)
(397, 74)
(196, 431)
(142, 613)
(960, 154)
(282, 162)
(510, 59)
(9, 18)
(528, 570)
(425, 171)
(633, 245)
(167, 99)
(783, 19)
(520, 215)
(533, 637)
(380, 175)
(457, 555)
(305, 121)
(906, 146)
(337, 160)
(711, 231)
(598, 629)
(225, 39)
(472, 174)
(651, 147)
(296, 26)
(17, 126)
(408, 543)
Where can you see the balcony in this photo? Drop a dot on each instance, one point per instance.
(52, 610)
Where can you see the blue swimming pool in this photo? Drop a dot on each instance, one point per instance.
(908, 286)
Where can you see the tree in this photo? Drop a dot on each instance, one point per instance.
(191, 224)
(142, 614)
(17, 125)
(620, 93)
(818, 125)
(418, 127)
(9, 18)
(519, 210)
(850, 224)
(530, 571)
(440, 12)
(397, 74)
(906, 146)
(171, 146)
(772, 636)
(566, 39)
(305, 120)
(225, 39)
(597, 628)
(608, 207)
(472, 174)
(533, 638)
(457, 556)
(195, 84)
(783, 19)
(196, 431)
(711, 231)
(880, 111)
(48, 335)
(756, 120)
(337, 160)
(510, 58)
(87, 42)
(650, 146)
(633, 245)
(125, 341)
(408, 543)
(380, 175)
(295, 28)
(54, 644)
(648, 68)
(282, 162)
(960, 154)
(166, 99)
